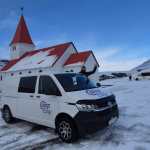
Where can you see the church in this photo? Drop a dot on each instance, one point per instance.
(63, 57)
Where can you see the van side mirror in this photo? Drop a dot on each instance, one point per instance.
(98, 84)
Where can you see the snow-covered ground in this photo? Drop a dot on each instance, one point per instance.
(130, 132)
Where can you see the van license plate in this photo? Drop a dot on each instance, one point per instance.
(112, 120)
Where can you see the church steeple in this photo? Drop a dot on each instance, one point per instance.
(22, 34)
(22, 41)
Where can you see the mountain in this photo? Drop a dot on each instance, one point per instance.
(143, 67)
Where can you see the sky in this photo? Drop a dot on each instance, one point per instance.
(118, 31)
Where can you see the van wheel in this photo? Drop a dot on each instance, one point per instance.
(7, 115)
(67, 130)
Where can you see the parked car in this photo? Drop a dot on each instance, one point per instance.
(142, 75)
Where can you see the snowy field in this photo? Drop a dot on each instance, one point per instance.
(130, 132)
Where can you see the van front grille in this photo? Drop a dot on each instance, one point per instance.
(103, 102)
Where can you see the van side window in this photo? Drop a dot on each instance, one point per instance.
(47, 86)
(27, 84)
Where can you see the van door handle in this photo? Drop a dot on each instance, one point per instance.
(38, 96)
(31, 96)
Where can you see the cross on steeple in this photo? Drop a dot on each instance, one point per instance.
(22, 9)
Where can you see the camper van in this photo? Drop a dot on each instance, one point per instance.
(68, 102)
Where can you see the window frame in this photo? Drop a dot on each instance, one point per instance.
(34, 86)
(57, 89)
(65, 88)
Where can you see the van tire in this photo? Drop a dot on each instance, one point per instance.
(7, 115)
(67, 129)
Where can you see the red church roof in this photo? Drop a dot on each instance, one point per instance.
(57, 50)
(78, 57)
(22, 34)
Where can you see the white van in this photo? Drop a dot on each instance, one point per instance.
(68, 102)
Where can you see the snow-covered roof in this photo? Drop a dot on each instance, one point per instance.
(78, 58)
(75, 64)
(45, 57)
(22, 34)
(3, 62)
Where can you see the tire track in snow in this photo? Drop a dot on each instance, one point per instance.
(34, 140)
(41, 145)
(22, 135)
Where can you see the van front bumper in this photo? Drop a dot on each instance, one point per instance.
(90, 122)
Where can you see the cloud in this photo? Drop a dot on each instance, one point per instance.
(106, 53)
(109, 61)
(121, 65)
(112, 57)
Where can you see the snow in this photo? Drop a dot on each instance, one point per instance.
(40, 59)
(75, 64)
(3, 63)
(130, 132)
(142, 67)
(23, 134)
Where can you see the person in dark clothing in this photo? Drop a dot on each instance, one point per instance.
(130, 77)
(84, 72)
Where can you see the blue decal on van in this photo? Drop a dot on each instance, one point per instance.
(45, 107)
(94, 92)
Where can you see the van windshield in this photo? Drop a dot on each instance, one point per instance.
(74, 82)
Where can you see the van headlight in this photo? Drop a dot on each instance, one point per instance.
(87, 107)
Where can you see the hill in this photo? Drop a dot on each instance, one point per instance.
(143, 67)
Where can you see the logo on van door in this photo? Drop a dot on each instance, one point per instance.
(45, 107)
(94, 92)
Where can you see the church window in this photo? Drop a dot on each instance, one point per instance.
(14, 48)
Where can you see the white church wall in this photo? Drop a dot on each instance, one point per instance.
(60, 63)
(18, 49)
(73, 68)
